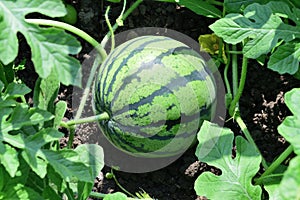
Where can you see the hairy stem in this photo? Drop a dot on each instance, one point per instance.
(119, 185)
(97, 195)
(248, 136)
(110, 29)
(234, 71)
(282, 157)
(239, 91)
(87, 87)
(227, 84)
(100, 117)
(125, 15)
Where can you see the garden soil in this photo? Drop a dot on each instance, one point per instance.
(262, 104)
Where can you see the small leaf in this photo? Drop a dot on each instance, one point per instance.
(115, 196)
(235, 182)
(14, 90)
(45, 92)
(50, 194)
(20, 191)
(9, 159)
(290, 185)
(285, 59)
(22, 116)
(201, 8)
(60, 109)
(33, 144)
(63, 162)
(290, 127)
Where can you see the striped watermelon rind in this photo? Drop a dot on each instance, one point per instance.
(157, 92)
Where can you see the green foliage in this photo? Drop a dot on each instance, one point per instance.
(289, 187)
(50, 47)
(30, 157)
(290, 127)
(235, 182)
(263, 29)
(202, 8)
(71, 16)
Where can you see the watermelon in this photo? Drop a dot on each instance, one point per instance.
(157, 92)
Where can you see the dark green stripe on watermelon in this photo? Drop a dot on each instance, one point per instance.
(157, 93)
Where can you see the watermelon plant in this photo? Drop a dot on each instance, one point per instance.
(34, 166)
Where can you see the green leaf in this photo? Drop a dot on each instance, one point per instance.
(20, 191)
(285, 11)
(9, 159)
(263, 29)
(290, 127)
(33, 144)
(285, 59)
(201, 8)
(56, 179)
(67, 164)
(50, 194)
(239, 5)
(272, 191)
(60, 109)
(92, 156)
(14, 119)
(45, 92)
(14, 90)
(235, 182)
(290, 185)
(50, 47)
(115, 196)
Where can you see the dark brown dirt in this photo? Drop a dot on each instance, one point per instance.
(262, 104)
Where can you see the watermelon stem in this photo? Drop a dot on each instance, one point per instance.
(110, 29)
(95, 118)
(72, 29)
(97, 195)
(247, 134)
(275, 164)
(124, 16)
(118, 184)
(238, 91)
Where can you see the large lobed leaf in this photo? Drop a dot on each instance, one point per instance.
(235, 182)
(263, 27)
(50, 47)
(257, 23)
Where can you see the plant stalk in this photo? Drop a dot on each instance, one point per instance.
(248, 136)
(110, 29)
(238, 92)
(125, 15)
(100, 117)
(227, 84)
(72, 29)
(234, 71)
(282, 157)
(97, 195)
